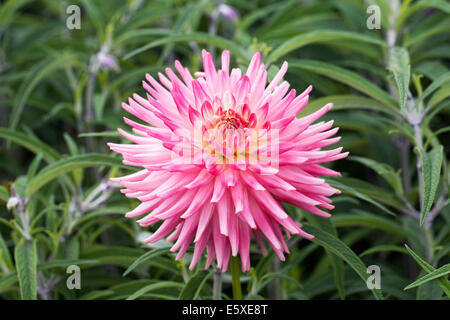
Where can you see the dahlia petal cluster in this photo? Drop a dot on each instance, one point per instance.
(219, 152)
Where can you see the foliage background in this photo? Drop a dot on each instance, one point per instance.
(391, 92)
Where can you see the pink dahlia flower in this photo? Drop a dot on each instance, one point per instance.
(219, 153)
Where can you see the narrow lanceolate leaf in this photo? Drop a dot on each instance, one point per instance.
(12, 277)
(436, 274)
(442, 282)
(347, 77)
(113, 134)
(182, 23)
(36, 74)
(423, 4)
(401, 68)
(440, 95)
(339, 184)
(431, 168)
(340, 249)
(199, 37)
(8, 10)
(442, 5)
(146, 256)
(4, 194)
(26, 265)
(152, 287)
(32, 144)
(336, 262)
(368, 220)
(69, 164)
(195, 284)
(386, 171)
(268, 277)
(319, 36)
(348, 102)
(436, 84)
(384, 248)
(6, 263)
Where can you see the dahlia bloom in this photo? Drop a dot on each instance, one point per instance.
(221, 152)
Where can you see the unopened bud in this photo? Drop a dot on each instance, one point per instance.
(228, 12)
(12, 202)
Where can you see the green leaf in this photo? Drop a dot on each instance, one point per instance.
(268, 277)
(69, 164)
(347, 77)
(199, 37)
(340, 249)
(386, 171)
(383, 248)
(30, 143)
(440, 95)
(8, 10)
(338, 273)
(436, 84)
(145, 33)
(37, 73)
(6, 281)
(111, 134)
(349, 189)
(421, 37)
(154, 286)
(110, 210)
(26, 265)
(319, 36)
(256, 14)
(94, 13)
(401, 68)
(431, 69)
(263, 265)
(146, 256)
(5, 257)
(364, 219)
(190, 11)
(72, 248)
(438, 273)
(125, 256)
(96, 294)
(20, 185)
(71, 144)
(336, 263)
(431, 169)
(12, 278)
(438, 4)
(34, 166)
(195, 284)
(423, 4)
(443, 283)
(348, 102)
(286, 30)
(435, 134)
(4, 194)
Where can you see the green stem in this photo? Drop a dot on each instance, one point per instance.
(217, 284)
(235, 278)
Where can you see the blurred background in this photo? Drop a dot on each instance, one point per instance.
(65, 68)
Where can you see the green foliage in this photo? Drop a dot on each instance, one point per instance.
(26, 261)
(432, 162)
(438, 274)
(194, 285)
(339, 248)
(391, 93)
(67, 165)
(401, 68)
